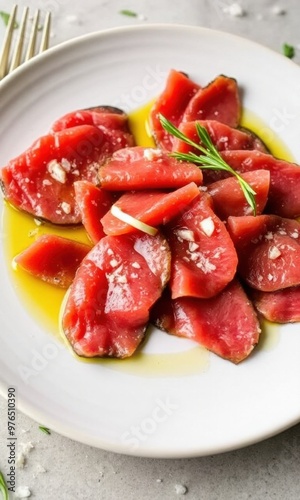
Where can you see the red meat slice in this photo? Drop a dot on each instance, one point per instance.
(222, 136)
(113, 122)
(101, 116)
(151, 207)
(284, 194)
(146, 168)
(204, 259)
(171, 104)
(217, 101)
(225, 324)
(229, 198)
(282, 306)
(53, 259)
(93, 203)
(40, 181)
(107, 309)
(268, 248)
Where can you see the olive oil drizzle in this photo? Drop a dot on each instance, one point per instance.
(43, 301)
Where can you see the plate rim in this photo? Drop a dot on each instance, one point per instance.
(27, 408)
(136, 28)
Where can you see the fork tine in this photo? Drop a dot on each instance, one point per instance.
(7, 42)
(16, 58)
(32, 37)
(46, 33)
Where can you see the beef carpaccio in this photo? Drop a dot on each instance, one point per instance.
(171, 243)
(109, 302)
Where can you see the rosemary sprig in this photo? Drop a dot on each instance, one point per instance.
(209, 158)
(3, 487)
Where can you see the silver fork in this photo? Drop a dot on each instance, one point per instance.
(11, 58)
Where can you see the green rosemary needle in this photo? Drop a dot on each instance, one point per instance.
(44, 429)
(208, 158)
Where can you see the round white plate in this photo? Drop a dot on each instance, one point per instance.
(170, 404)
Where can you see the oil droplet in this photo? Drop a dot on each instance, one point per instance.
(269, 337)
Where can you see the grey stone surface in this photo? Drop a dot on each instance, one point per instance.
(58, 468)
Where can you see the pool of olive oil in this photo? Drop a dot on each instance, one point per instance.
(44, 301)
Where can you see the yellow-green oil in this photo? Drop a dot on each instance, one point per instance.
(44, 301)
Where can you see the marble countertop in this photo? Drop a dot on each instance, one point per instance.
(59, 468)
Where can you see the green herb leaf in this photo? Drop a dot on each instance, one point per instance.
(3, 487)
(129, 13)
(288, 50)
(209, 156)
(44, 429)
(5, 17)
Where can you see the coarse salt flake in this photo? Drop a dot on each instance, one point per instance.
(185, 234)
(22, 492)
(56, 171)
(66, 207)
(234, 10)
(20, 460)
(193, 246)
(269, 236)
(207, 225)
(206, 266)
(180, 489)
(152, 154)
(274, 253)
(66, 165)
(114, 263)
(27, 447)
(136, 265)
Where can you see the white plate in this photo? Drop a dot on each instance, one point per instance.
(164, 406)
